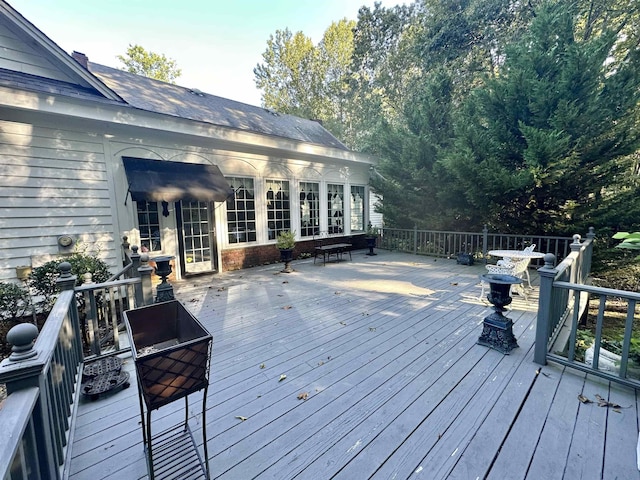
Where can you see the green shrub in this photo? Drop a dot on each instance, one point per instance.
(286, 240)
(14, 301)
(43, 278)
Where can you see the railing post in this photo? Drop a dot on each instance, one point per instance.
(485, 242)
(577, 264)
(144, 294)
(588, 254)
(415, 239)
(66, 281)
(547, 274)
(135, 261)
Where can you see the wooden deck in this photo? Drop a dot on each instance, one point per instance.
(397, 388)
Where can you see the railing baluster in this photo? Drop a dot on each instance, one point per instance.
(574, 327)
(53, 419)
(598, 340)
(92, 321)
(113, 292)
(626, 343)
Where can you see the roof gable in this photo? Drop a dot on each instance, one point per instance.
(26, 49)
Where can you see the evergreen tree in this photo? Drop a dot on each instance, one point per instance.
(536, 145)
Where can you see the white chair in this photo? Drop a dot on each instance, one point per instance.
(524, 267)
(502, 268)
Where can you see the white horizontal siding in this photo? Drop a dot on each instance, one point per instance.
(52, 182)
(20, 56)
(374, 217)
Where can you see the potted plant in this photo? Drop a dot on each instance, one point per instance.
(286, 242)
(371, 236)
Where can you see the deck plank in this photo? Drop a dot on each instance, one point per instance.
(359, 405)
(586, 454)
(549, 458)
(515, 454)
(620, 448)
(434, 449)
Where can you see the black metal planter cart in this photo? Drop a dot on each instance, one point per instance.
(171, 351)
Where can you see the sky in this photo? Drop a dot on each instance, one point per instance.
(216, 43)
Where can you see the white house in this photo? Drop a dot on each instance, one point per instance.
(89, 154)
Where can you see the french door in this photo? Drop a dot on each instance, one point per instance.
(197, 243)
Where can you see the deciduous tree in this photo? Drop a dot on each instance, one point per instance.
(153, 65)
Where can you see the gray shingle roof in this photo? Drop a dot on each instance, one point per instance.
(165, 98)
(25, 81)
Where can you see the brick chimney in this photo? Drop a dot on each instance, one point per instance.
(81, 58)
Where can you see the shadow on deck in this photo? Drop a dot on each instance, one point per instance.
(384, 351)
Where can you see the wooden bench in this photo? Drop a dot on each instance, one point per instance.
(326, 246)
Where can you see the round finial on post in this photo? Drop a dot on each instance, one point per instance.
(549, 260)
(591, 233)
(125, 242)
(22, 337)
(65, 269)
(576, 238)
(87, 278)
(134, 249)
(144, 259)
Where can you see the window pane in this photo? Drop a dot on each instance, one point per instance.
(277, 200)
(357, 208)
(309, 208)
(149, 226)
(335, 208)
(241, 211)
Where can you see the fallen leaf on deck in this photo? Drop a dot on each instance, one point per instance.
(320, 363)
(303, 396)
(262, 365)
(286, 281)
(221, 289)
(287, 307)
(282, 377)
(584, 399)
(343, 323)
(604, 403)
(454, 283)
(372, 329)
(337, 293)
(194, 300)
(241, 418)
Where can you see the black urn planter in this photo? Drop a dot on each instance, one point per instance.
(371, 243)
(286, 255)
(164, 291)
(497, 330)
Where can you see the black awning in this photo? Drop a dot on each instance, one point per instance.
(159, 180)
